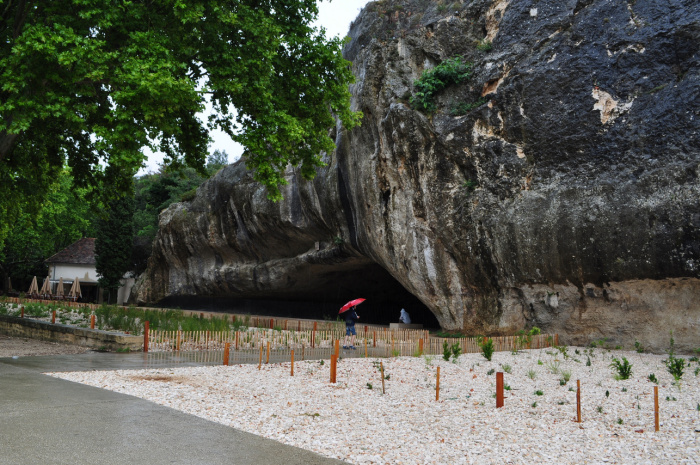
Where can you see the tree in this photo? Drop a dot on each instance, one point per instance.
(95, 81)
(35, 232)
(217, 160)
(114, 242)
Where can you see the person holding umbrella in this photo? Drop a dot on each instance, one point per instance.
(350, 318)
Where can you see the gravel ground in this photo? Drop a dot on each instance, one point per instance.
(24, 347)
(352, 422)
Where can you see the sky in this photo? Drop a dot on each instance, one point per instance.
(335, 16)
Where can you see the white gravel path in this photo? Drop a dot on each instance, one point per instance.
(406, 425)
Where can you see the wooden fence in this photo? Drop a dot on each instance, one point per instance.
(384, 342)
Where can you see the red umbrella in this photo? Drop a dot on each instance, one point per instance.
(350, 304)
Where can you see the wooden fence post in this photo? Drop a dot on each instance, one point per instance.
(420, 346)
(499, 389)
(337, 347)
(53, 317)
(381, 366)
(365, 346)
(578, 401)
(374, 339)
(267, 359)
(656, 408)
(92, 321)
(179, 335)
(145, 336)
(260, 361)
(313, 336)
(437, 385)
(236, 340)
(226, 349)
(21, 315)
(334, 362)
(292, 374)
(272, 323)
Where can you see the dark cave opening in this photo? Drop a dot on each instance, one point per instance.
(321, 296)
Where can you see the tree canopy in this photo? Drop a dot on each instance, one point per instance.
(94, 82)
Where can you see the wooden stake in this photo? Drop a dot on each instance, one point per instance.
(145, 336)
(365, 347)
(437, 385)
(420, 346)
(92, 321)
(53, 317)
(381, 366)
(260, 361)
(226, 350)
(292, 374)
(334, 362)
(578, 401)
(272, 323)
(179, 334)
(374, 339)
(22, 313)
(267, 359)
(656, 408)
(499, 389)
(337, 347)
(236, 340)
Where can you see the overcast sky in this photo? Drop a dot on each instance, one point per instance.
(335, 16)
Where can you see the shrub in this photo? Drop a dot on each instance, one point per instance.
(451, 71)
(456, 351)
(446, 351)
(674, 365)
(487, 348)
(532, 374)
(622, 367)
(652, 378)
(507, 368)
(638, 346)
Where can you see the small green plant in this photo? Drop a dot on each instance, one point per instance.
(387, 377)
(607, 393)
(491, 371)
(674, 365)
(484, 45)
(619, 421)
(507, 368)
(446, 351)
(487, 348)
(697, 370)
(395, 353)
(571, 389)
(534, 404)
(124, 350)
(566, 375)
(562, 382)
(671, 398)
(618, 347)
(624, 389)
(532, 374)
(562, 402)
(369, 385)
(524, 339)
(506, 386)
(553, 367)
(622, 367)
(638, 347)
(563, 350)
(451, 71)
(539, 393)
(428, 360)
(321, 362)
(539, 362)
(588, 361)
(652, 378)
(599, 409)
(456, 351)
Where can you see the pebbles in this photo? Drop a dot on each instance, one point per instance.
(406, 425)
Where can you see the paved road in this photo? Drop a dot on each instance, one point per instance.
(44, 420)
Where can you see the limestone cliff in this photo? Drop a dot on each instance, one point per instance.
(557, 187)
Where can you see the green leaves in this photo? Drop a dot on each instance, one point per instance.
(451, 71)
(95, 82)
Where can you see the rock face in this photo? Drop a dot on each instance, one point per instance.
(557, 187)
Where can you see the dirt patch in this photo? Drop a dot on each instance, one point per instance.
(25, 347)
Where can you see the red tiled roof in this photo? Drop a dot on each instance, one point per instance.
(81, 252)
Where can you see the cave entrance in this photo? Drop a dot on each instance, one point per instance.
(320, 294)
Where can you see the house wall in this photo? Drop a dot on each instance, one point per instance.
(88, 275)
